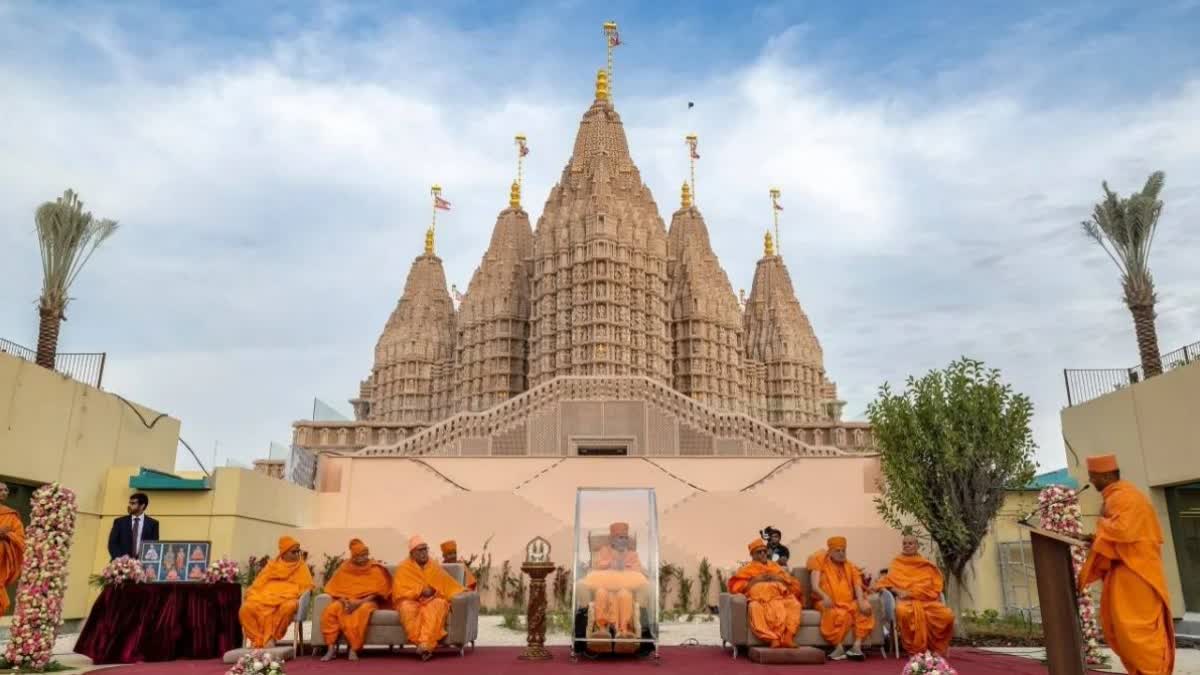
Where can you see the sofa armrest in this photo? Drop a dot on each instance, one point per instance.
(734, 616)
(319, 604)
(464, 618)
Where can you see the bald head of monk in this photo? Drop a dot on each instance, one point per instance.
(837, 549)
(910, 545)
(1103, 471)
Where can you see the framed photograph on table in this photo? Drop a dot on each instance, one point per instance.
(175, 561)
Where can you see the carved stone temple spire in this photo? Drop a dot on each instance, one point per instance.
(493, 321)
(599, 304)
(781, 338)
(706, 320)
(413, 371)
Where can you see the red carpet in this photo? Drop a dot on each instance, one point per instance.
(675, 660)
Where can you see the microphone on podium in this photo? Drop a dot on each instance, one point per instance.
(1025, 520)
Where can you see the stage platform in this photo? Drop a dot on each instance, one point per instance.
(675, 660)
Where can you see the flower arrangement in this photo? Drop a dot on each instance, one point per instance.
(222, 571)
(928, 663)
(257, 663)
(43, 578)
(123, 570)
(1061, 513)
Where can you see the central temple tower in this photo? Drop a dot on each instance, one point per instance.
(599, 294)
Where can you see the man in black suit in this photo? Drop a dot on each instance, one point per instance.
(128, 532)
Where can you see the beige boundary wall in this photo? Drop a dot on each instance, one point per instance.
(53, 428)
(1154, 429)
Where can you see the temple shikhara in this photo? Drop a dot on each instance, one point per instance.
(603, 346)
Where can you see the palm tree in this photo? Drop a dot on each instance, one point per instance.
(67, 236)
(1124, 228)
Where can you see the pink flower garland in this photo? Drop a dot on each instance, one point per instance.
(928, 663)
(1061, 513)
(43, 578)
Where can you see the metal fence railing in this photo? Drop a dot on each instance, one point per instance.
(1085, 385)
(85, 368)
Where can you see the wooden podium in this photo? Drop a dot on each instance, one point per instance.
(1065, 650)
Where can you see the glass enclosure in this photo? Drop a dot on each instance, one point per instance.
(615, 572)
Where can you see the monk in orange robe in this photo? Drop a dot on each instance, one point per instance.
(924, 623)
(421, 592)
(358, 587)
(774, 609)
(450, 555)
(843, 604)
(616, 575)
(12, 547)
(1126, 555)
(271, 602)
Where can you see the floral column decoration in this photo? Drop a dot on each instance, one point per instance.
(43, 578)
(1061, 513)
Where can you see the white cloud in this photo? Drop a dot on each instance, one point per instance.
(272, 203)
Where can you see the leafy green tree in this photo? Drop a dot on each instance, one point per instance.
(67, 236)
(1125, 228)
(950, 445)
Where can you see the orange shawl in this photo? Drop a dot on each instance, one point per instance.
(12, 547)
(607, 556)
(1127, 533)
(740, 581)
(410, 579)
(359, 582)
(837, 580)
(279, 582)
(915, 575)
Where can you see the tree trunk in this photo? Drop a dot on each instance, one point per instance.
(47, 344)
(1147, 338)
(955, 597)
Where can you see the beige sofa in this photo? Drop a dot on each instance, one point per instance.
(462, 625)
(735, 621)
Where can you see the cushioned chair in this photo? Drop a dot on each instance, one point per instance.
(586, 612)
(891, 634)
(462, 625)
(301, 614)
(735, 620)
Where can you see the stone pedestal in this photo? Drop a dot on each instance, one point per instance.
(535, 617)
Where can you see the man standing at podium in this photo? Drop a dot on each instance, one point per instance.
(1126, 554)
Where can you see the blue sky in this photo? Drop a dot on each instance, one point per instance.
(270, 168)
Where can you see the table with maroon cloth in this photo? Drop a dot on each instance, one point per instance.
(162, 622)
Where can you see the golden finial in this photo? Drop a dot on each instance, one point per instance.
(602, 85)
(685, 199)
(429, 241)
(514, 195)
(768, 245)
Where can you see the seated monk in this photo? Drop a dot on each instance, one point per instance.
(358, 587)
(421, 592)
(843, 604)
(616, 575)
(774, 609)
(450, 555)
(924, 623)
(12, 547)
(271, 602)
